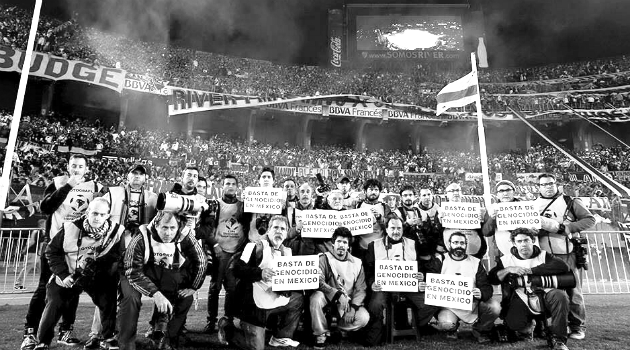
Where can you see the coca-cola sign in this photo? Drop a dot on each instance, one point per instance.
(335, 51)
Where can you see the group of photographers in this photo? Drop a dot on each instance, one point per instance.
(122, 243)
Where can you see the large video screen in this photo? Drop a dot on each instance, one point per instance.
(404, 33)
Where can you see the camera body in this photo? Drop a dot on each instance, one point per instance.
(581, 252)
(323, 187)
(83, 275)
(564, 281)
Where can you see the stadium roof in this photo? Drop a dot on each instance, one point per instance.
(518, 32)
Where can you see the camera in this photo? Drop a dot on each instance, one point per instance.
(581, 252)
(176, 203)
(323, 187)
(564, 281)
(83, 275)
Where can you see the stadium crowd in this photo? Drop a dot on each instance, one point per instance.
(414, 85)
(168, 152)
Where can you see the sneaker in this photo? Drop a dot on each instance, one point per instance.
(223, 322)
(209, 328)
(320, 342)
(528, 337)
(577, 335)
(452, 335)
(281, 342)
(559, 345)
(109, 344)
(94, 343)
(19, 287)
(41, 346)
(149, 332)
(66, 337)
(482, 338)
(29, 342)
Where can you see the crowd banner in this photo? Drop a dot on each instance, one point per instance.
(144, 83)
(284, 170)
(396, 275)
(264, 200)
(442, 199)
(473, 177)
(322, 223)
(58, 68)
(513, 215)
(239, 168)
(621, 175)
(527, 178)
(596, 203)
(461, 215)
(295, 273)
(451, 291)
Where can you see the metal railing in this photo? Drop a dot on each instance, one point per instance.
(19, 268)
(609, 262)
(608, 259)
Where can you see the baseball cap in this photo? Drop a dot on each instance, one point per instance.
(343, 179)
(505, 182)
(139, 167)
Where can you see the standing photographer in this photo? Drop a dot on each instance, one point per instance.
(83, 256)
(562, 219)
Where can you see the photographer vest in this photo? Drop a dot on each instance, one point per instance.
(510, 260)
(263, 296)
(74, 205)
(78, 246)
(377, 230)
(468, 268)
(165, 255)
(385, 250)
(121, 201)
(555, 209)
(229, 232)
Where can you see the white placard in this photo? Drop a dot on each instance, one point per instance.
(396, 276)
(512, 215)
(451, 291)
(322, 223)
(264, 200)
(295, 273)
(461, 215)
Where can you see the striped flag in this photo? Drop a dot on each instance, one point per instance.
(458, 93)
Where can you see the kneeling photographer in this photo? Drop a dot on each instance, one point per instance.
(532, 283)
(83, 256)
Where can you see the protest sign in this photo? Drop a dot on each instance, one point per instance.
(322, 223)
(513, 215)
(264, 200)
(295, 273)
(397, 276)
(451, 291)
(461, 215)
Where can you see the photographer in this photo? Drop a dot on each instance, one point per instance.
(153, 268)
(563, 218)
(517, 310)
(83, 256)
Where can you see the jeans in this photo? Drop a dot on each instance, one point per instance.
(220, 276)
(319, 323)
(577, 309)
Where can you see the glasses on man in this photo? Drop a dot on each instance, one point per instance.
(546, 184)
(455, 190)
(505, 190)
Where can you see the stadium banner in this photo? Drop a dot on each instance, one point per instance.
(527, 178)
(335, 37)
(396, 275)
(58, 68)
(442, 199)
(238, 168)
(473, 177)
(285, 170)
(596, 203)
(621, 175)
(579, 177)
(144, 83)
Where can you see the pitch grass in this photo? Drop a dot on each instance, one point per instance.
(608, 319)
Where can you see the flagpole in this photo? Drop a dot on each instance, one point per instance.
(487, 197)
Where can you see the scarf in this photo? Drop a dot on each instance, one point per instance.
(95, 233)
